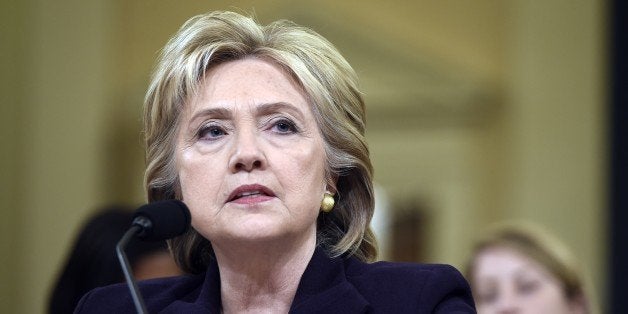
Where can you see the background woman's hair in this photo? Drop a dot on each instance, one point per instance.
(92, 262)
(327, 80)
(539, 245)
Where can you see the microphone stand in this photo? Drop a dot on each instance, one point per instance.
(126, 268)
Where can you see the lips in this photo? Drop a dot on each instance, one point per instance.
(250, 193)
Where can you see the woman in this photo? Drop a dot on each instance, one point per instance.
(519, 268)
(260, 131)
(92, 264)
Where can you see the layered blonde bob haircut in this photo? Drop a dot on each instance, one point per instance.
(327, 80)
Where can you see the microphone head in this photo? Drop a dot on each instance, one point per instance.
(162, 220)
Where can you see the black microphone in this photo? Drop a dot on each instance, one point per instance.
(154, 221)
(162, 220)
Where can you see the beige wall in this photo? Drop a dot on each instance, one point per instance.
(58, 90)
(557, 124)
(9, 163)
(482, 111)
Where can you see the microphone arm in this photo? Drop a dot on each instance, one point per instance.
(155, 221)
(126, 268)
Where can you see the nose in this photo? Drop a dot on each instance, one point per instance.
(508, 305)
(247, 154)
(507, 310)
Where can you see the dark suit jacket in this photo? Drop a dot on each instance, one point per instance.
(328, 285)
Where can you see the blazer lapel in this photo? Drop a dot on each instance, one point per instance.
(324, 288)
(203, 300)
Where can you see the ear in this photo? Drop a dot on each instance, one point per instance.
(331, 184)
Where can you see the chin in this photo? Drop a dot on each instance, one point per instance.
(257, 229)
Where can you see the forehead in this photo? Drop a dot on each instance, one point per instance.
(503, 261)
(248, 81)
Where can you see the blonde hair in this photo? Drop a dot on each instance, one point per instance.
(328, 81)
(536, 243)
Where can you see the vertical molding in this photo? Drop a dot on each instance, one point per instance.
(557, 124)
(618, 272)
(66, 68)
(13, 26)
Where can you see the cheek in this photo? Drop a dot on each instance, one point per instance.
(551, 298)
(302, 176)
(306, 170)
(198, 181)
(188, 169)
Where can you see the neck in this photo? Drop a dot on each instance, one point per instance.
(261, 277)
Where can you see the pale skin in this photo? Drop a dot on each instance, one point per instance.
(251, 164)
(506, 281)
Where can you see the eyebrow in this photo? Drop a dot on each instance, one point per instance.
(260, 110)
(270, 108)
(218, 113)
(526, 271)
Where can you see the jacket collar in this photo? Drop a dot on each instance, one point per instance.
(207, 300)
(323, 289)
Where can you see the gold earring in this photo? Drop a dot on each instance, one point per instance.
(328, 202)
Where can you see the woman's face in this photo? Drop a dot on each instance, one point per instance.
(250, 156)
(506, 281)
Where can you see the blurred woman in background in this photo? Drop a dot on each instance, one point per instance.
(520, 268)
(93, 261)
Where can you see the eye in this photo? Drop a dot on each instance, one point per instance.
(211, 132)
(487, 297)
(527, 287)
(284, 126)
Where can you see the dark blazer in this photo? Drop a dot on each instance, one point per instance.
(328, 285)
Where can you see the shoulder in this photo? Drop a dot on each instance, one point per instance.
(157, 294)
(403, 275)
(429, 287)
